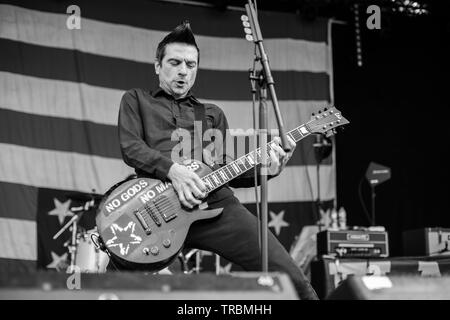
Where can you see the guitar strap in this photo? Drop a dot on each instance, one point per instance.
(200, 120)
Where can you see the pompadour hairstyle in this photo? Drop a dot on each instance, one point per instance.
(181, 34)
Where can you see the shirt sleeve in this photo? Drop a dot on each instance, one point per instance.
(135, 151)
(247, 179)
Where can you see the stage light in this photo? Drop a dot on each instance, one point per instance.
(409, 7)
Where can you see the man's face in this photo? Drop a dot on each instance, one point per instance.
(178, 69)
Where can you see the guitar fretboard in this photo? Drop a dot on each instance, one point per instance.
(230, 171)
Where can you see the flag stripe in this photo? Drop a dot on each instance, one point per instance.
(295, 184)
(72, 171)
(60, 170)
(137, 44)
(18, 201)
(59, 134)
(61, 99)
(85, 137)
(14, 266)
(80, 101)
(73, 65)
(205, 21)
(18, 239)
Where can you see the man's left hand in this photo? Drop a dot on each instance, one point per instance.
(278, 157)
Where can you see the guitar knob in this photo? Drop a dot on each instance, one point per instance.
(146, 251)
(154, 250)
(166, 243)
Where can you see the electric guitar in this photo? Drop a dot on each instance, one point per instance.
(141, 222)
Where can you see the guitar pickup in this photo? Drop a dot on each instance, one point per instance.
(143, 223)
(151, 212)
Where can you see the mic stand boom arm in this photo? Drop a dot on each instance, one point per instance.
(267, 73)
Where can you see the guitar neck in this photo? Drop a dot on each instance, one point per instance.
(234, 169)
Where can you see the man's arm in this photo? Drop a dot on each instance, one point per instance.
(135, 152)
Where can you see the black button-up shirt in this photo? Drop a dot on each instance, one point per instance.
(146, 123)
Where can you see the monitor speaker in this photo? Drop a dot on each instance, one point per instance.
(392, 288)
(139, 286)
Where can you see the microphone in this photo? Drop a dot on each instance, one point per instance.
(322, 147)
(319, 141)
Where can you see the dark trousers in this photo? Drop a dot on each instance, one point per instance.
(234, 236)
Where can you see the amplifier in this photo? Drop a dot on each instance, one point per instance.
(353, 243)
(426, 241)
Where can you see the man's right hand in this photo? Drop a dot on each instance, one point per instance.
(187, 184)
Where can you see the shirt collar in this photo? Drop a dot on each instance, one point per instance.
(160, 92)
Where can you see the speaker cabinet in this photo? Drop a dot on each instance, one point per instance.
(141, 286)
(392, 288)
(426, 241)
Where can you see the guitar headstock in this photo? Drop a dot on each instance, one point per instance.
(326, 121)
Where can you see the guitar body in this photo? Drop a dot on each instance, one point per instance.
(143, 224)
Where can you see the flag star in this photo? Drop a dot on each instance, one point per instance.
(277, 221)
(56, 260)
(226, 269)
(325, 217)
(61, 210)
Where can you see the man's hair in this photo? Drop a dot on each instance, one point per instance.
(181, 34)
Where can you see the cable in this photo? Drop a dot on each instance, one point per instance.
(316, 210)
(361, 200)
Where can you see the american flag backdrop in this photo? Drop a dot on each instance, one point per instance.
(60, 91)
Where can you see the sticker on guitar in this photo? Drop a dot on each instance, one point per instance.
(134, 190)
(123, 236)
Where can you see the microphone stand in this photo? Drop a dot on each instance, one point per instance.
(318, 155)
(266, 81)
(79, 211)
(372, 193)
